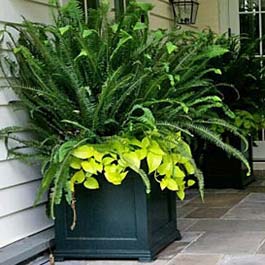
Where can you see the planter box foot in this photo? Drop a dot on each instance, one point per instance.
(146, 259)
(178, 235)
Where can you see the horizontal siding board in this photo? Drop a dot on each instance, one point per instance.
(42, 2)
(14, 143)
(10, 117)
(23, 224)
(14, 172)
(18, 198)
(30, 10)
(3, 152)
(26, 248)
(6, 94)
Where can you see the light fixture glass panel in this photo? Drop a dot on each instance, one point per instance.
(248, 5)
(194, 12)
(183, 11)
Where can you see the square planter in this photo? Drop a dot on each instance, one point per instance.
(120, 222)
(223, 171)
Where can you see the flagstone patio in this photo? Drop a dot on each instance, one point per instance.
(227, 229)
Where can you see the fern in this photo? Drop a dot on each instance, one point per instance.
(88, 79)
(216, 140)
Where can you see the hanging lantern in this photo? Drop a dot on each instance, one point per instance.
(185, 11)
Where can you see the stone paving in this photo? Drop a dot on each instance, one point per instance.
(227, 229)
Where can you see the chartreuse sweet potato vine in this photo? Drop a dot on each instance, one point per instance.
(169, 160)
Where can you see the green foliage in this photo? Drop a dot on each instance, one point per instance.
(169, 159)
(242, 81)
(91, 85)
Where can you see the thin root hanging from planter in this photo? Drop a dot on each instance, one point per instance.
(73, 206)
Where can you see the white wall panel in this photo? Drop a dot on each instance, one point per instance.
(6, 94)
(18, 198)
(10, 117)
(3, 151)
(15, 172)
(18, 182)
(22, 224)
(15, 10)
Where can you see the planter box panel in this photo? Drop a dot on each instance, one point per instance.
(98, 206)
(117, 222)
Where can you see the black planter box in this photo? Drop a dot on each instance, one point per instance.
(120, 222)
(223, 171)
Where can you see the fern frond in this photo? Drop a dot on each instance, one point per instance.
(215, 139)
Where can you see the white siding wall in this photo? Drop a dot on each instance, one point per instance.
(18, 182)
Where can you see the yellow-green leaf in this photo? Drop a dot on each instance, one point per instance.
(190, 168)
(140, 26)
(158, 34)
(141, 153)
(170, 47)
(90, 166)
(178, 173)
(136, 142)
(83, 152)
(145, 142)
(75, 163)
(123, 163)
(191, 182)
(181, 194)
(114, 28)
(186, 148)
(83, 53)
(217, 71)
(165, 168)
(177, 78)
(107, 160)
(163, 183)
(91, 183)
(153, 161)
(132, 158)
(78, 177)
(172, 185)
(87, 33)
(155, 148)
(176, 158)
(114, 174)
(63, 30)
(17, 49)
(99, 167)
(98, 155)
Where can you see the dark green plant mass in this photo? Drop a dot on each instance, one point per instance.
(104, 96)
(242, 81)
